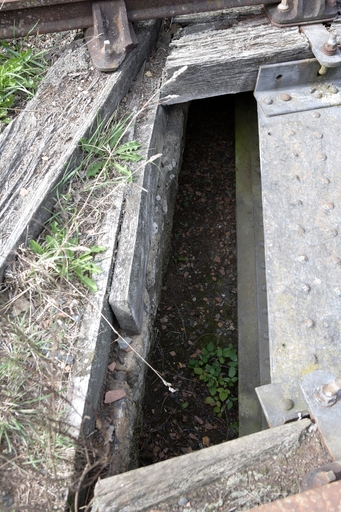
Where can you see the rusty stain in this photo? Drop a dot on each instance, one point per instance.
(325, 498)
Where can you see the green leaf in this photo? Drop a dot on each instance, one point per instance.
(232, 371)
(219, 351)
(223, 395)
(87, 281)
(210, 347)
(98, 248)
(209, 400)
(212, 390)
(185, 405)
(95, 168)
(36, 247)
(216, 408)
(198, 371)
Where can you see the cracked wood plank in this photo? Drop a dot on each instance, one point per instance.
(223, 55)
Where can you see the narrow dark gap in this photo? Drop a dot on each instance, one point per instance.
(199, 299)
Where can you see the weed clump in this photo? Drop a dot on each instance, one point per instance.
(217, 367)
(20, 74)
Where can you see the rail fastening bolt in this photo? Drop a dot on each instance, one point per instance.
(330, 47)
(283, 6)
(106, 46)
(328, 394)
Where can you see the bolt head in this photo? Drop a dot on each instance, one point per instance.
(267, 101)
(286, 404)
(285, 96)
(323, 399)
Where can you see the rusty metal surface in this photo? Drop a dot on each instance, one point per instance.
(111, 37)
(19, 17)
(325, 499)
(150, 8)
(43, 20)
(301, 12)
(321, 476)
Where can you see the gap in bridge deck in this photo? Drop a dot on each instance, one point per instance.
(199, 297)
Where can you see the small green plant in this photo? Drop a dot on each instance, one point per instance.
(20, 72)
(64, 255)
(217, 367)
(105, 150)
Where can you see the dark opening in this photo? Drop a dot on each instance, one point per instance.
(198, 307)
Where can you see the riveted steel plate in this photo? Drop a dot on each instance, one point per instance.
(296, 87)
(281, 403)
(301, 190)
(328, 419)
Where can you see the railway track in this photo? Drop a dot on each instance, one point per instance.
(299, 128)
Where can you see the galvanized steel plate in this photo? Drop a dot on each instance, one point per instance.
(301, 187)
(296, 87)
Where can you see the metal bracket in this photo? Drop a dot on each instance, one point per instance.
(282, 404)
(296, 87)
(323, 45)
(328, 419)
(298, 12)
(111, 36)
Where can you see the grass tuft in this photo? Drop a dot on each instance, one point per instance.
(20, 74)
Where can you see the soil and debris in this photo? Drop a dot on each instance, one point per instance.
(199, 298)
(277, 477)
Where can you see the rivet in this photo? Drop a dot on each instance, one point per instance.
(300, 230)
(264, 287)
(267, 361)
(297, 178)
(267, 101)
(316, 114)
(305, 288)
(261, 223)
(285, 96)
(302, 258)
(286, 404)
(262, 264)
(261, 244)
(322, 156)
(329, 206)
(264, 311)
(325, 180)
(297, 203)
(318, 135)
(318, 94)
(338, 292)
(291, 133)
(296, 155)
(333, 89)
(309, 323)
(336, 260)
(333, 232)
(266, 335)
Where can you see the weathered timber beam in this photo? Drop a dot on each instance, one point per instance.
(224, 55)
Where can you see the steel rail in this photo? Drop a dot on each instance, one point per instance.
(146, 9)
(20, 17)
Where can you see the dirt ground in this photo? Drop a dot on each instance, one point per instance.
(199, 300)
